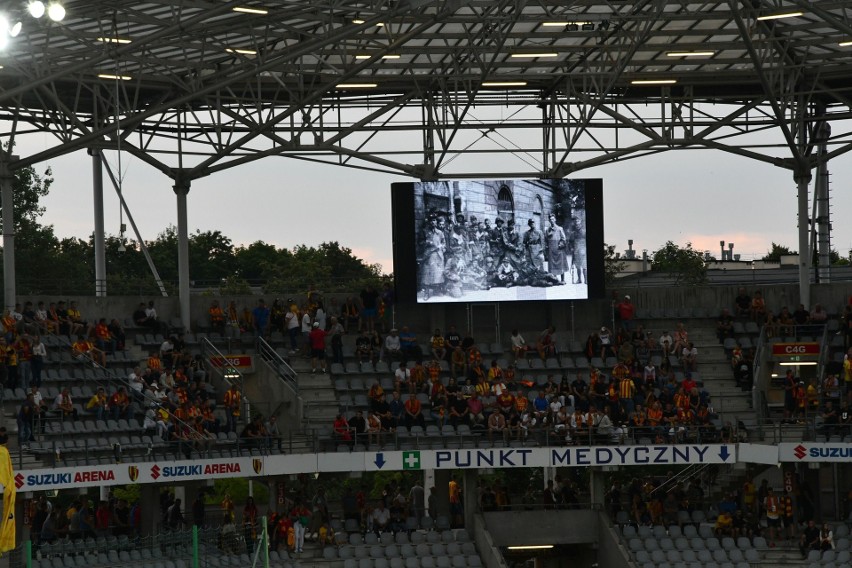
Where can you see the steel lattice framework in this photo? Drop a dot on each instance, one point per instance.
(207, 88)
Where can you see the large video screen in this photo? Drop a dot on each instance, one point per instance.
(498, 240)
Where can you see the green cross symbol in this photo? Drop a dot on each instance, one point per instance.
(410, 460)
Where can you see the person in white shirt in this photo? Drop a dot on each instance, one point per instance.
(291, 320)
(666, 341)
(650, 374)
(381, 518)
(401, 376)
(320, 316)
(519, 345)
(307, 326)
(39, 354)
(392, 346)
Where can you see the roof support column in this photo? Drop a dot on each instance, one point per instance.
(803, 178)
(7, 195)
(98, 199)
(181, 188)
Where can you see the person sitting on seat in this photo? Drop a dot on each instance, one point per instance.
(84, 350)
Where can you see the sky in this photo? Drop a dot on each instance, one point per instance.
(696, 196)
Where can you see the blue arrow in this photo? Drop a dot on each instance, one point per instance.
(724, 454)
(380, 460)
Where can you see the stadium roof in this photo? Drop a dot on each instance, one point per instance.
(408, 86)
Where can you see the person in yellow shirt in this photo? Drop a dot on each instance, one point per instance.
(724, 524)
(83, 349)
(98, 405)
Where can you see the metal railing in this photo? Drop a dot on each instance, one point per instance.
(278, 365)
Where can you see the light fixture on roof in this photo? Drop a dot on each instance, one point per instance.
(56, 11)
(36, 9)
(356, 20)
(385, 56)
(690, 54)
(653, 82)
(780, 16)
(563, 24)
(240, 51)
(531, 547)
(845, 44)
(588, 27)
(572, 27)
(16, 29)
(504, 84)
(531, 54)
(250, 10)
(120, 40)
(356, 86)
(114, 77)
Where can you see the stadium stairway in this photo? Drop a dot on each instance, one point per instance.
(321, 405)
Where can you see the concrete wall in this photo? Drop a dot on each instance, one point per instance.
(581, 316)
(543, 527)
(610, 552)
(488, 551)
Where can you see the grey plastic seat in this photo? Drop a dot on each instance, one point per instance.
(346, 552)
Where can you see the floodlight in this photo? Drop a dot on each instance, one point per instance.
(36, 8)
(56, 11)
(16, 29)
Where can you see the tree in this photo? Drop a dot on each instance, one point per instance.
(685, 264)
(613, 265)
(775, 253)
(34, 243)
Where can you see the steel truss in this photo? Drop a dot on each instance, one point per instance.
(191, 104)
